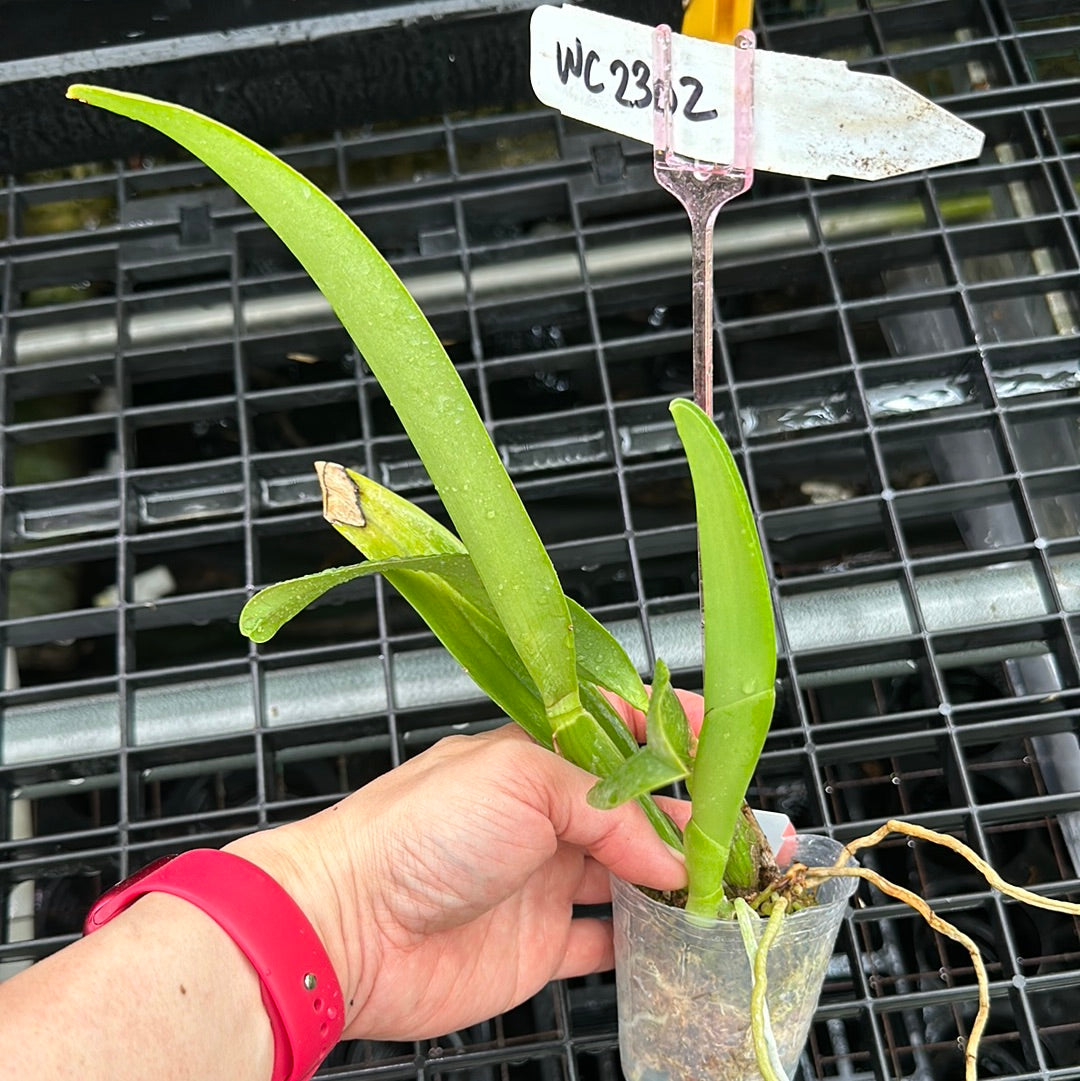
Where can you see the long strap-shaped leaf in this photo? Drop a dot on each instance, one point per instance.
(418, 378)
(739, 655)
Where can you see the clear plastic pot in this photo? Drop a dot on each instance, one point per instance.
(684, 983)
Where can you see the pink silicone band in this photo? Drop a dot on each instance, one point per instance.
(299, 987)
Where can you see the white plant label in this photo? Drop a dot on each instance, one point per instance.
(812, 117)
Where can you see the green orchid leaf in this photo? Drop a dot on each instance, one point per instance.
(667, 731)
(383, 525)
(645, 772)
(739, 656)
(407, 358)
(740, 639)
(666, 756)
(271, 608)
(605, 715)
(585, 742)
(371, 517)
(480, 646)
(601, 660)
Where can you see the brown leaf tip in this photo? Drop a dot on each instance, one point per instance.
(340, 495)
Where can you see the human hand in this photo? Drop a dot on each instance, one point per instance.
(444, 890)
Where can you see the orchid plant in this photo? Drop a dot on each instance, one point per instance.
(490, 593)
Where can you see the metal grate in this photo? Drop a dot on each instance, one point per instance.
(898, 369)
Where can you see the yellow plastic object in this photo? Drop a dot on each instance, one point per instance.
(717, 20)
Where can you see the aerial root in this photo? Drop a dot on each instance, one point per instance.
(770, 1070)
(913, 900)
(995, 880)
(814, 875)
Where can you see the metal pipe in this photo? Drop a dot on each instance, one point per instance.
(837, 617)
(669, 252)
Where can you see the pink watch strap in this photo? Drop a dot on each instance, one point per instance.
(299, 987)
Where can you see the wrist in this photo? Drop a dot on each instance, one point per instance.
(301, 997)
(325, 896)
